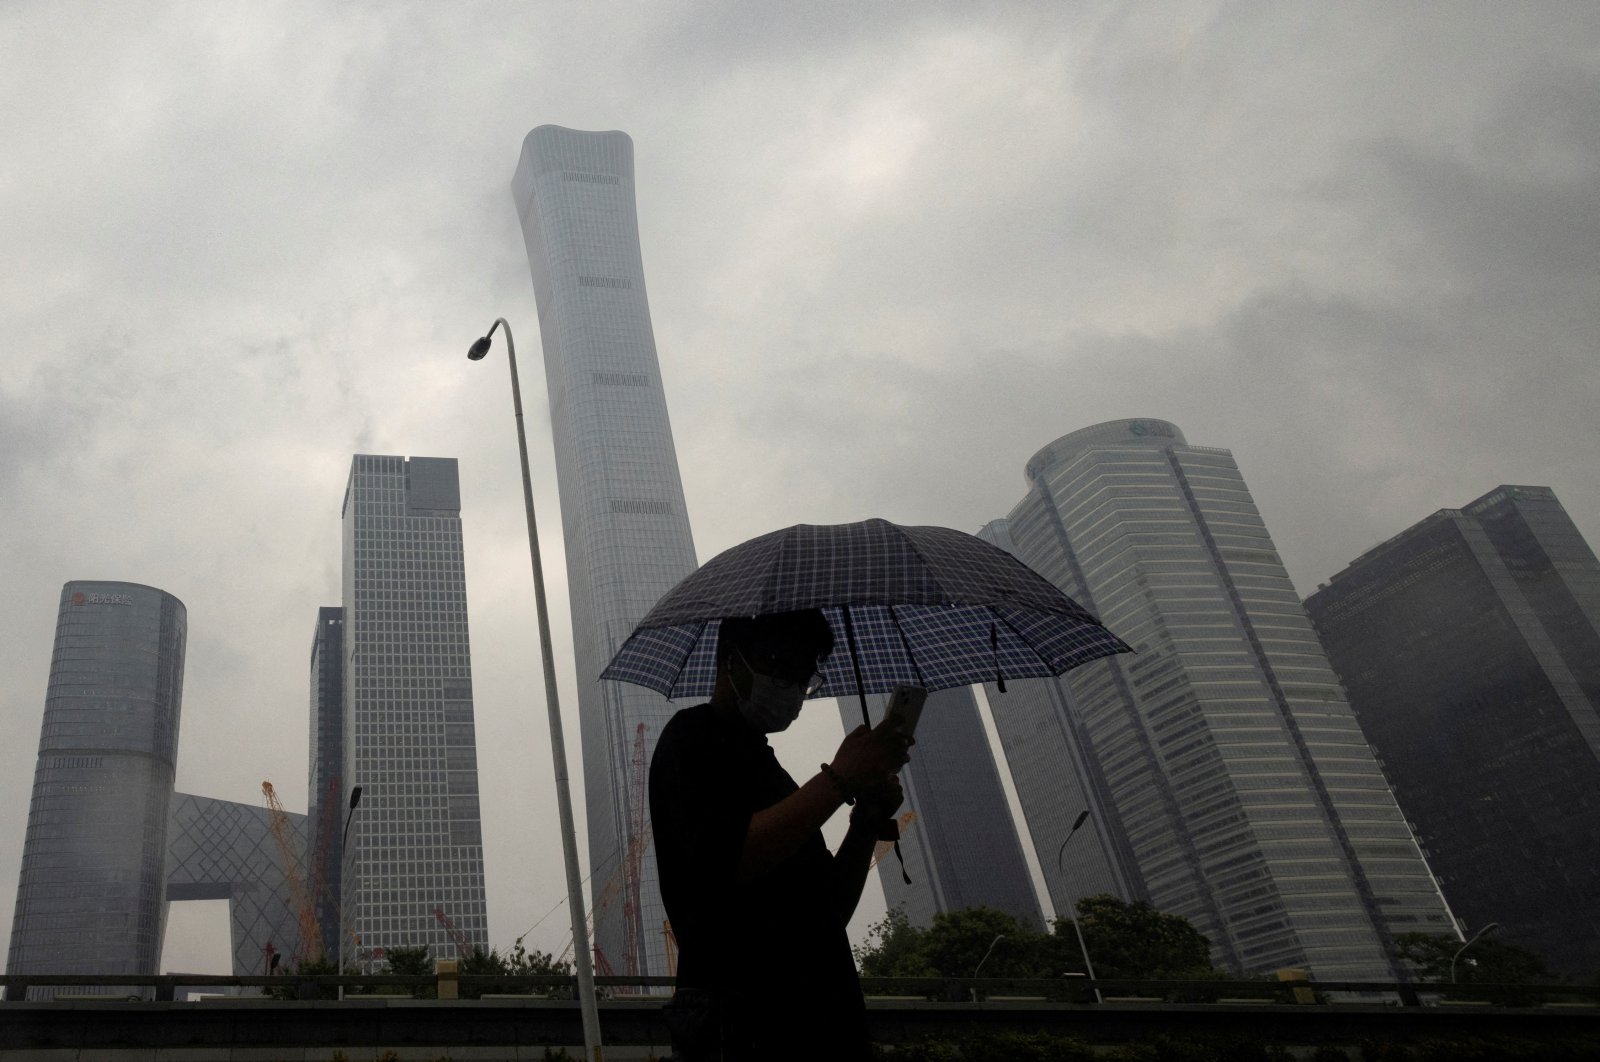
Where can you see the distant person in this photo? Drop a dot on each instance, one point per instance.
(757, 902)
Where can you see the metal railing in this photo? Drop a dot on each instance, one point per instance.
(1075, 991)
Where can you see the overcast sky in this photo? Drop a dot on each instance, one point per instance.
(892, 250)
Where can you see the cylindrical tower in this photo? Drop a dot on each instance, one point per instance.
(91, 894)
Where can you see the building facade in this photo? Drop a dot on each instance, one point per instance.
(1234, 783)
(327, 797)
(90, 897)
(1470, 648)
(416, 841)
(623, 518)
(1056, 780)
(960, 844)
(224, 850)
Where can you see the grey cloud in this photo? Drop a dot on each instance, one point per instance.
(891, 251)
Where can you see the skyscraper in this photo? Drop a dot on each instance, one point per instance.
(1057, 780)
(622, 511)
(961, 847)
(416, 843)
(326, 793)
(1470, 647)
(91, 894)
(1229, 769)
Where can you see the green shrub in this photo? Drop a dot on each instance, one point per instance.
(1024, 1047)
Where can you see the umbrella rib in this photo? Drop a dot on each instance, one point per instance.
(927, 565)
(682, 663)
(855, 663)
(904, 641)
(997, 614)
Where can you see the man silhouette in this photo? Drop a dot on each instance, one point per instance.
(757, 902)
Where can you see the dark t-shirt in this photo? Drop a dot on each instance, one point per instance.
(774, 947)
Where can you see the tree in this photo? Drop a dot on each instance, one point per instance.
(1126, 940)
(1132, 940)
(518, 962)
(953, 946)
(523, 963)
(410, 962)
(893, 948)
(958, 941)
(309, 967)
(1488, 961)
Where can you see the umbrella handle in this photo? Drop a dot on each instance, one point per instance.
(855, 663)
(861, 692)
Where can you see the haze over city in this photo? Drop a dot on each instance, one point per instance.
(892, 251)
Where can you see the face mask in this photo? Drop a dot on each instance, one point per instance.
(769, 707)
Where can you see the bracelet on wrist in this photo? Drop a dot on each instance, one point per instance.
(838, 784)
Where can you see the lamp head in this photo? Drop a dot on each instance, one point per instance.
(355, 797)
(1081, 817)
(479, 348)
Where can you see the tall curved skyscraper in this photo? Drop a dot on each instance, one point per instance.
(622, 509)
(91, 896)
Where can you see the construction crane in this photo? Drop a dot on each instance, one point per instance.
(464, 948)
(635, 857)
(627, 875)
(298, 902)
(607, 895)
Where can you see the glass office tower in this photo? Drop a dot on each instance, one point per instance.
(91, 891)
(327, 797)
(623, 520)
(1470, 647)
(416, 843)
(1233, 774)
(1056, 780)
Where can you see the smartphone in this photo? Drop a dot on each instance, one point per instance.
(905, 704)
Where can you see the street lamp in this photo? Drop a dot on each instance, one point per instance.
(998, 937)
(355, 798)
(1072, 907)
(558, 747)
(1470, 941)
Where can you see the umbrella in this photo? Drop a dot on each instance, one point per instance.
(925, 606)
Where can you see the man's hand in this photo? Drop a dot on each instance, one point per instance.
(868, 757)
(882, 800)
(875, 808)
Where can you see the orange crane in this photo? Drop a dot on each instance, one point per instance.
(298, 901)
(464, 947)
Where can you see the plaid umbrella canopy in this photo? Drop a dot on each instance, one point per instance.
(926, 606)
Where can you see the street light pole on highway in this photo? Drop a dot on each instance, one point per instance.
(1470, 941)
(1072, 907)
(344, 839)
(558, 748)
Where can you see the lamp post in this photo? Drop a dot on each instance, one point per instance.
(1072, 907)
(998, 937)
(558, 747)
(1470, 941)
(344, 839)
